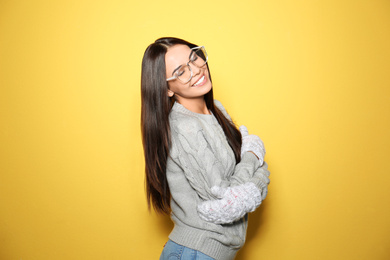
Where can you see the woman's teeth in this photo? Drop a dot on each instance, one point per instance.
(199, 81)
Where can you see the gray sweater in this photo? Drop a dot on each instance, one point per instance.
(200, 158)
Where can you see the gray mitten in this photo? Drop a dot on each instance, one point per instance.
(252, 143)
(233, 204)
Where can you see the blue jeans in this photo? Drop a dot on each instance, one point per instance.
(173, 251)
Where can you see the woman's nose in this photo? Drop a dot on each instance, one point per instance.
(195, 69)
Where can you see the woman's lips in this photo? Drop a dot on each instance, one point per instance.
(201, 81)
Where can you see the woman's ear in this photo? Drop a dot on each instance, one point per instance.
(170, 93)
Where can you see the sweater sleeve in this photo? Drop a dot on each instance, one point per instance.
(191, 153)
(259, 176)
(249, 168)
(194, 156)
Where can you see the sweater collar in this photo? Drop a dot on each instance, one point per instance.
(180, 108)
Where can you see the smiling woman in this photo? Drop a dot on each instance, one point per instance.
(199, 166)
(193, 83)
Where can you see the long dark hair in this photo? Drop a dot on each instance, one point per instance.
(156, 106)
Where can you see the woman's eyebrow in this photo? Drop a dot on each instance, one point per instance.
(173, 72)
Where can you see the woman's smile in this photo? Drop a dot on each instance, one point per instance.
(200, 82)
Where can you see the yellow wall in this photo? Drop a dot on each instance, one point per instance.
(310, 77)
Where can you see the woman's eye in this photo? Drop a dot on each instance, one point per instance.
(180, 72)
(194, 58)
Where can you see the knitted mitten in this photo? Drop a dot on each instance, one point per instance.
(252, 143)
(233, 204)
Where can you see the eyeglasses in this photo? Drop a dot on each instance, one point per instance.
(198, 57)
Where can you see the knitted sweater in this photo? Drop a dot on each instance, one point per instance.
(200, 158)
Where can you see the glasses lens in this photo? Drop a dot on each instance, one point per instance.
(184, 74)
(199, 57)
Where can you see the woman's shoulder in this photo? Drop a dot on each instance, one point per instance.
(219, 105)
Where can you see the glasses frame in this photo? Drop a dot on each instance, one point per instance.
(188, 65)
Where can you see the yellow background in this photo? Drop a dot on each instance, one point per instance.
(311, 78)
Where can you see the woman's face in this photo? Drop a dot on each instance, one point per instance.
(200, 83)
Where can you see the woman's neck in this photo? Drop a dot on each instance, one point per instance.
(197, 105)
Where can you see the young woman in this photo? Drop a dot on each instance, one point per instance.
(199, 167)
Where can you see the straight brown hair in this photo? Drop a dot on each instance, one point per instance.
(155, 109)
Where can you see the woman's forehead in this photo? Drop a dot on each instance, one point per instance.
(177, 55)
